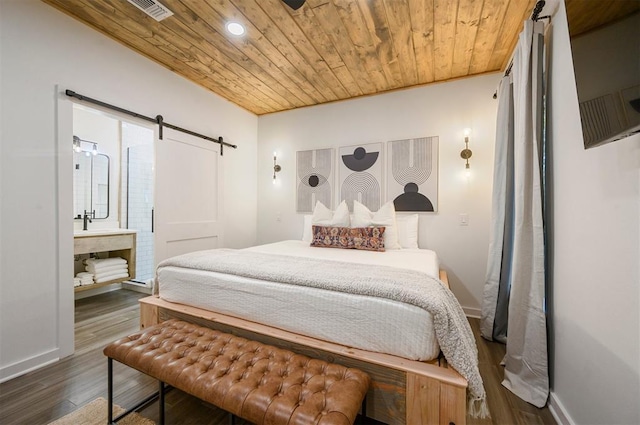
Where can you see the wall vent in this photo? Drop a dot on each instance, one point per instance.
(600, 120)
(152, 8)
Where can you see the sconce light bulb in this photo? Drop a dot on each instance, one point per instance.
(467, 132)
(87, 153)
(77, 148)
(468, 173)
(274, 180)
(94, 151)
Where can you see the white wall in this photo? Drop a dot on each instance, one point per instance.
(443, 110)
(595, 301)
(41, 47)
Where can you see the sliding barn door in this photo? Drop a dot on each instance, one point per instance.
(188, 195)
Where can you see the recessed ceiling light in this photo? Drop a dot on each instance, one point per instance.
(235, 28)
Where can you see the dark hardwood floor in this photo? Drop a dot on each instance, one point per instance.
(49, 393)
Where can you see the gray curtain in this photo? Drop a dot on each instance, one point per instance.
(513, 309)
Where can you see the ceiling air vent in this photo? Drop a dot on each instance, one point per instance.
(152, 8)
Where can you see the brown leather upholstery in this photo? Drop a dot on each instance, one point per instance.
(257, 382)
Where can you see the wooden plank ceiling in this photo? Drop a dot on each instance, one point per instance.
(325, 51)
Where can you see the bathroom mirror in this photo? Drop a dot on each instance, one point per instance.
(90, 185)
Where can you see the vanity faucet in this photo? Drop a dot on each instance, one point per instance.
(86, 219)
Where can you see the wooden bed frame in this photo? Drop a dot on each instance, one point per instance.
(402, 391)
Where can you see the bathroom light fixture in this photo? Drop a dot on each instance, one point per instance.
(276, 168)
(235, 28)
(466, 152)
(76, 144)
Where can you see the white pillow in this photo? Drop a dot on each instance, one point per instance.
(407, 230)
(307, 234)
(323, 216)
(385, 216)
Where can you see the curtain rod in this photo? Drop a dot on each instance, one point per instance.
(535, 17)
(157, 120)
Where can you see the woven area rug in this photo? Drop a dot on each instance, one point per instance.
(95, 413)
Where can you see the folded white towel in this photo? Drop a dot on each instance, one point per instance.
(76, 282)
(112, 277)
(83, 274)
(101, 275)
(104, 261)
(106, 269)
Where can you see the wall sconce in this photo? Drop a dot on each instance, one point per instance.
(276, 168)
(466, 152)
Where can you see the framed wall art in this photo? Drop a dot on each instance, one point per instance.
(360, 173)
(412, 174)
(315, 179)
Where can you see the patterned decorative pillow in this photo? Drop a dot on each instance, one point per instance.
(365, 238)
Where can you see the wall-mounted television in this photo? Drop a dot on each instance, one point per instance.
(606, 62)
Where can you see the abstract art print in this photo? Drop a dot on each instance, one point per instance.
(412, 174)
(360, 175)
(315, 179)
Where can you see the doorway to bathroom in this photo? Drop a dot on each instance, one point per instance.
(124, 200)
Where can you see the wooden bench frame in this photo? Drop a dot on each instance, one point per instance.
(402, 391)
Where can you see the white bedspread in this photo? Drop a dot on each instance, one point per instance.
(369, 323)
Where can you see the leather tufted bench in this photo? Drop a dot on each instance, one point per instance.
(257, 382)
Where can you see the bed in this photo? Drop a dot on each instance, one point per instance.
(394, 341)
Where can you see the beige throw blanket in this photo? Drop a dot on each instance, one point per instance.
(408, 286)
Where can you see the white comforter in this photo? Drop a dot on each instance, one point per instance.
(369, 323)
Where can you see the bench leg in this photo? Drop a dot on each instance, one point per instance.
(141, 405)
(110, 391)
(232, 419)
(161, 402)
(363, 416)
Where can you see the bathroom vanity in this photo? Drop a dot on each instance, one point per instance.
(110, 243)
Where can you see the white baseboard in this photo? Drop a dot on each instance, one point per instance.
(472, 312)
(558, 411)
(25, 366)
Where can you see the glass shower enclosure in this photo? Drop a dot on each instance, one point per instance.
(137, 195)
